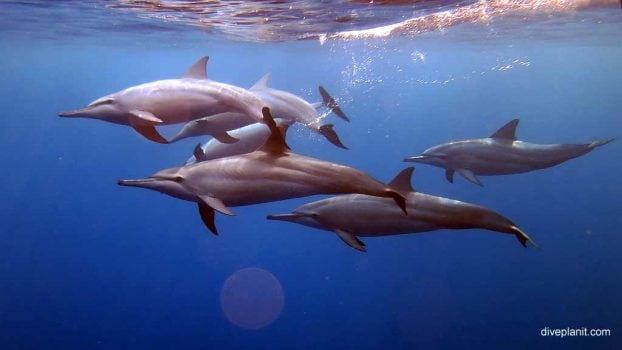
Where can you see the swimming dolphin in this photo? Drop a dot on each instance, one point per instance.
(173, 101)
(355, 215)
(499, 154)
(282, 104)
(250, 137)
(271, 173)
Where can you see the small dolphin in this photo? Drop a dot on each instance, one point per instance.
(271, 173)
(360, 215)
(282, 104)
(499, 154)
(250, 137)
(172, 101)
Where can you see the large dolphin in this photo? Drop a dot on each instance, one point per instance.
(499, 154)
(355, 215)
(269, 174)
(173, 101)
(282, 104)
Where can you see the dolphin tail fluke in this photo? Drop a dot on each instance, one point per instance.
(150, 133)
(331, 103)
(398, 198)
(523, 238)
(329, 133)
(599, 143)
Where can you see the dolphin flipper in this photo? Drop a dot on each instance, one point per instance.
(468, 174)
(224, 137)
(149, 132)
(351, 240)
(144, 117)
(207, 215)
(214, 203)
(329, 133)
(199, 154)
(449, 175)
(330, 102)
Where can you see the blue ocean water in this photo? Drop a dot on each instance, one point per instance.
(86, 264)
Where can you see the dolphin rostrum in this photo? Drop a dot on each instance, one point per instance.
(361, 215)
(282, 104)
(173, 101)
(269, 174)
(250, 137)
(499, 154)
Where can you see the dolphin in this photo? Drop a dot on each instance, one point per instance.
(355, 215)
(271, 173)
(499, 154)
(173, 101)
(282, 104)
(250, 137)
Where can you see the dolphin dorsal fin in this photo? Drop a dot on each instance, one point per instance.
(198, 69)
(275, 144)
(262, 83)
(401, 182)
(507, 132)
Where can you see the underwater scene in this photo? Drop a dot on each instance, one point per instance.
(337, 174)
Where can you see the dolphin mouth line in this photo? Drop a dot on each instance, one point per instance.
(73, 113)
(137, 182)
(416, 158)
(284, 217)
(146, 181)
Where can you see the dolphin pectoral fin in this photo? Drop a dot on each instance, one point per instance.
(144, 117)
(507, 132)
(198, 69)
(449, 175)
(350, 240)
(149, 132)
(330, 102)
(317, 105)
(275, 144)
(224, 137)
(207, 215)
(329, 133)
(262, 83)
(199, 154)
(468, 174)
(401, 182)
(215, 203)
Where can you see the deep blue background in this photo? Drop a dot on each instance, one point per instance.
(85, 264)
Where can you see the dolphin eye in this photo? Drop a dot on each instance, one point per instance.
(178, 179)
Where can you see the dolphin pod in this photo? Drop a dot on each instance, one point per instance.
(282, 104)
(248, 161)
(272, 172)
(499, 154)
(171, 101)
(355, 215)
